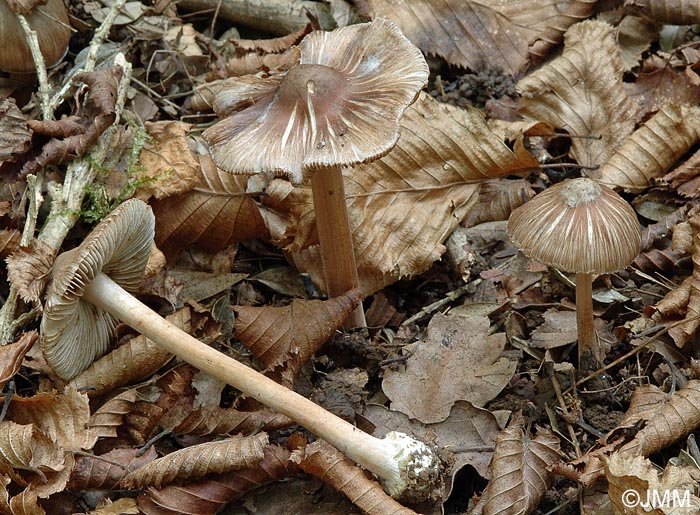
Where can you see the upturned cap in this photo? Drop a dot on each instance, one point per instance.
(339, 106)
(577, 226)
(74, 332)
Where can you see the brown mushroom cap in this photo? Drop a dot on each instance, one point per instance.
(577, 226)
(73, 331)
(339, 106)
(51, 23)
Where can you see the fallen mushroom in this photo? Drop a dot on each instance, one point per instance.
(89, 282)
(340, 106)
(582, 227)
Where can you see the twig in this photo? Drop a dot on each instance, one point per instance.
(40, 65)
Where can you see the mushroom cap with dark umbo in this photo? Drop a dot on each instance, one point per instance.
(74, 332)
(340, 106)
(577, 226)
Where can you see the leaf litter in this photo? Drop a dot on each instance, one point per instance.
(472, 347)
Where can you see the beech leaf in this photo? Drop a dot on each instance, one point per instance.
(520, 475)
(29, 269)
(581, 91)
(196, 461)
(292, 334)
(16, 136)
(107, 470)
(215, 214)
(652, 149)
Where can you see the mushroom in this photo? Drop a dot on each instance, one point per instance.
(340, 106)
(582, 227)
(87, 282)
(49, 21)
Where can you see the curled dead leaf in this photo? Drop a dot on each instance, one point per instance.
(581, 91)
(652, 149)
(327, 463)
(29, 269)
(107, 470)
(292, 334)
(196, 461)
(520, 470)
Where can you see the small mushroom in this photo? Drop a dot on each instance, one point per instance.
(340, 106)
(582, 227)
(86, 284)
(50, 21)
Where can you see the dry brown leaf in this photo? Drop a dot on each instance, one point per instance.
(683, 333)
(685, 179)
(29, 269)
(214, 420)
(667, 422)
(215, 214)
(635, 35)
(207, 497)
(327, 463)
(123, 506)
(16, 136)
(24, 447)
(581, 91)
(129, 363)
(291, 334)
(196, 461)
(167, 161)
(520, 473)
(180, 286)
(11, 356)
(63, 417)
(457, 360)
(403, 206)
(497, 198)
(652, 149)
(26, 503)
(465, 33)
(107, 470)
(672, 12)
(9, 241)
(633, 480)
(109, 417)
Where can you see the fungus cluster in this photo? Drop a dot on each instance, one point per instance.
(578, 226)
(338, 107)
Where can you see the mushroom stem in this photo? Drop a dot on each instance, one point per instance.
(403, 464)
(337, 251)
(584, 318)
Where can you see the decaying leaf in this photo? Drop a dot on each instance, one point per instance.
(29, 269)
(109, 417)
(207, 497)
(633, 480)
(652, 149)
(24, 447)
(135, 360)
(673, 12)
(293, 333)
(26, 503)
(63, 417)
(465, 33)
(11, 356)
(497, 198)
(581, 91)
(97, 116)
(520, 470)
(167, 160)
(9, 241)
(457, 360)
(13, 127)
(196, 461)
(214, 420)
(107, 470)
(215, 214)
(123, 506)
(327, 463)
(671, 420)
